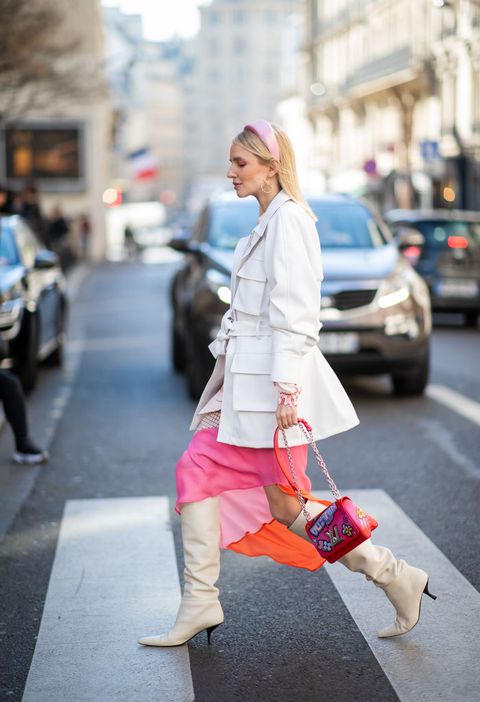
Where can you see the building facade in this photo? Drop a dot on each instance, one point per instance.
(62, 146)
(393, 95)
(145, 80)
(235, 78)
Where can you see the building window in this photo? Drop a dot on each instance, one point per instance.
(270, 74)
(239, 17)
(269, 16)
(239, 45)
(214, 18)
(239, 73)
(214, 74)
(46, 152)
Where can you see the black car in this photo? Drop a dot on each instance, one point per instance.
(375, 309)
(444, 247)
(33, 302)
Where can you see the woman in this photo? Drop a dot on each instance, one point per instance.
(230, 492)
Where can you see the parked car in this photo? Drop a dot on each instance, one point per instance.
(444, 247)
(375, 309)
(33, 302)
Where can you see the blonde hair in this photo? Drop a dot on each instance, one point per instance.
(286, 169)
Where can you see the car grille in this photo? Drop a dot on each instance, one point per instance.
(349, 299)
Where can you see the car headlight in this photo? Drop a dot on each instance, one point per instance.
(219, 284)
(395, 289)
(394, 298)
(10, 311)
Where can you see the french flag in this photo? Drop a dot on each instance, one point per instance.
(142, 164)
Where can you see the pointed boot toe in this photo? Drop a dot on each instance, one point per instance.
(177, 637)
(155, 641)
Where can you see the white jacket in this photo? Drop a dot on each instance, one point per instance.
(270, 334)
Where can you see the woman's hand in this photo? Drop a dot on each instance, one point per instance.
(286, 416)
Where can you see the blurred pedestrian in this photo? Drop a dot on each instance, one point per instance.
(59, 237)
(58, 226)
(11, 395)
(230, 491)
(85, 230)
(29, 208)
(7, 202)
(129, 242)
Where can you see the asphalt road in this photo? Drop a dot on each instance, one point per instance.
(117, 420)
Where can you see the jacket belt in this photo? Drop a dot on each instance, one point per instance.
(218, 347)
(241, 328)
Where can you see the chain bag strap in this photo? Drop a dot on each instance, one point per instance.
(307, 430)
(340, 527)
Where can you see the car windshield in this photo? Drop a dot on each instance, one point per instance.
(347, 227)
(339, 226)
(8, 248)
(230, 221)
(437, 232)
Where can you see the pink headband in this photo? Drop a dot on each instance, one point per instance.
(265, 133)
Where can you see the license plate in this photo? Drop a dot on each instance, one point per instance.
(458, 288)
(338, 342)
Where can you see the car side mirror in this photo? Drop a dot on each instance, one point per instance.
(183, 244)
(45, 260)
(408, 236)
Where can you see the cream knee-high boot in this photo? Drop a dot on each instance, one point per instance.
(200, 608)
(403, 584)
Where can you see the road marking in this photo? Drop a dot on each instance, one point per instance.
(444, 439)
(455, 401)
(433, 663)
(114, 579)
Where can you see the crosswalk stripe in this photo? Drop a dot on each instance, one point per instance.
(455, 401)
(114, 578)
(436, 662)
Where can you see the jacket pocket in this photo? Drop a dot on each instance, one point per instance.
(251, 285)
(253, 389)
(258, 345)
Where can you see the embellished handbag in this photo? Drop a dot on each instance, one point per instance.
(343, 525)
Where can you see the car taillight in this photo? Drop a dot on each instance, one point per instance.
(412, 254)
(457, 242)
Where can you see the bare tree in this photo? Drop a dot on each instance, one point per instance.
(37, 64)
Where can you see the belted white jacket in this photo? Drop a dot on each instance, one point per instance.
(270, 334)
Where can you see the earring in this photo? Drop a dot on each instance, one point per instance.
(266, 192)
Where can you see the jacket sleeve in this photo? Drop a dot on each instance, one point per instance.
(294, 273)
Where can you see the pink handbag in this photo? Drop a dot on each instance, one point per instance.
(343, 525)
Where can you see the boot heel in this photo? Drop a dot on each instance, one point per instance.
(426, 592)
(209, 630)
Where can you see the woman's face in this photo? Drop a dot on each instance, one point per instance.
(247, 172)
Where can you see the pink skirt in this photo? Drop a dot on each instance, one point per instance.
(237, 475)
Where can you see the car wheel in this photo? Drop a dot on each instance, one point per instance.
(414, 381)
(179, 360)
(57, 356)
(28, 354)
(471, 319)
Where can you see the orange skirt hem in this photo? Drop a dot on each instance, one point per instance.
(275, 540)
